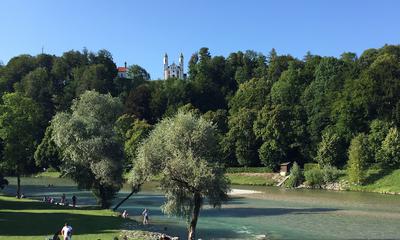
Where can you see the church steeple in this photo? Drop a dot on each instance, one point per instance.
(181, 66)
(165, 60)
(174, 70)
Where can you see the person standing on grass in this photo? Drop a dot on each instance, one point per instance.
(73, 200)
(63, 199)
(66, 232)
(145, 214)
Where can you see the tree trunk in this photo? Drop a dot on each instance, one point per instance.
(18, 186)
(135, 189)
(195, 216)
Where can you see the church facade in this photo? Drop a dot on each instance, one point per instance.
(173, 70)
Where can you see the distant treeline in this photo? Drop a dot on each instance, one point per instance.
(267, 109)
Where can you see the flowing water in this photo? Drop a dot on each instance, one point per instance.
(275, 212)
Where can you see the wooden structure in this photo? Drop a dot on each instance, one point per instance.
(285, 168)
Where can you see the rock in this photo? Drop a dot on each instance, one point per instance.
(261, 237)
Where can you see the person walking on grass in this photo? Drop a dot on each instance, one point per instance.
(66, 232)
(145, 214)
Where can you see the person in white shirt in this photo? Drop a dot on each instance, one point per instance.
(66, 232)
(124, 214)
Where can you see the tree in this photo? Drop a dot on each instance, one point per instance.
(38, 86)
(295, 177)
(3, 181)
(136, 76)
(377, 134)
(138, 102)
(92, 152)
(241, 138)
(357, 163)
(47, 154)
(20, 119)
(320, 95)
(182, 149)
(136, 133)
(329, 149)
(95, 77)
(389, 154)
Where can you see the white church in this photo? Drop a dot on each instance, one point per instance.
(173, 70)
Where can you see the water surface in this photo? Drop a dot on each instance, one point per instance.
(275, 212)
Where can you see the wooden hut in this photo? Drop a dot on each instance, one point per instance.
(285, 168)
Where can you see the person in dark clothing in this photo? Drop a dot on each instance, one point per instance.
(73, 200)
(56, 237)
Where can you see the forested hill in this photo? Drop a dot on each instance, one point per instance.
(268, 108)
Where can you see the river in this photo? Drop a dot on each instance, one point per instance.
(276, 212)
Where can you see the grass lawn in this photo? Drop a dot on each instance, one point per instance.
(250, 179)
(29, 219)
(48, 174)
(378, 181)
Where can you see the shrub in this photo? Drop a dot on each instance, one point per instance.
(309, 166)
(295, 177)
(314, 177)
(358, 159)
(331, 174)
(389, 154)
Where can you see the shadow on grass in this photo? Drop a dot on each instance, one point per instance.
(378, 174)
(35, 224)
(35, 205)
(38, 219)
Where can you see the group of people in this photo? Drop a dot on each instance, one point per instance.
(66, 233)
(145, 215)
(63, 200)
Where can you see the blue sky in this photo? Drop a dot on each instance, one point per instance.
(140, 32)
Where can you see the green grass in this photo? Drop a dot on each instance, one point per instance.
(238, 179)
(248, 170)
(24, 219)
(380, 181)
(49, 174)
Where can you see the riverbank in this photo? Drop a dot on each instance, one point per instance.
(23, 219)
(385, 183)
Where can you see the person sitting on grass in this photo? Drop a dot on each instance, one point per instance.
(124, 214)
(56, 237)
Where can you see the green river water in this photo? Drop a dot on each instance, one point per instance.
(276, 212)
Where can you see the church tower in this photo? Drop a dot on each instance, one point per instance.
(173, 70)
(181, 66)
(166, 72)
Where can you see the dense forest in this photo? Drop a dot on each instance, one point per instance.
(268, 109)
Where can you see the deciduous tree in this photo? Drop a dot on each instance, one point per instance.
(182, 149)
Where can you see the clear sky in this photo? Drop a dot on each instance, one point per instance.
(140, 32)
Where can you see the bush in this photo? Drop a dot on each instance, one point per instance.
(309, 166)
(331, 174)
(314, 177)
(358, 159)
(295, 177)
(248, 170)
(389, 154)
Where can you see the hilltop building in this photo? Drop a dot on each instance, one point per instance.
(173, 70)
(123, 71)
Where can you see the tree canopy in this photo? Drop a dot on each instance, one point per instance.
(91, 151)
(183, 151)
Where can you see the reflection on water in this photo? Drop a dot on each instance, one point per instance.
(278, 213)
